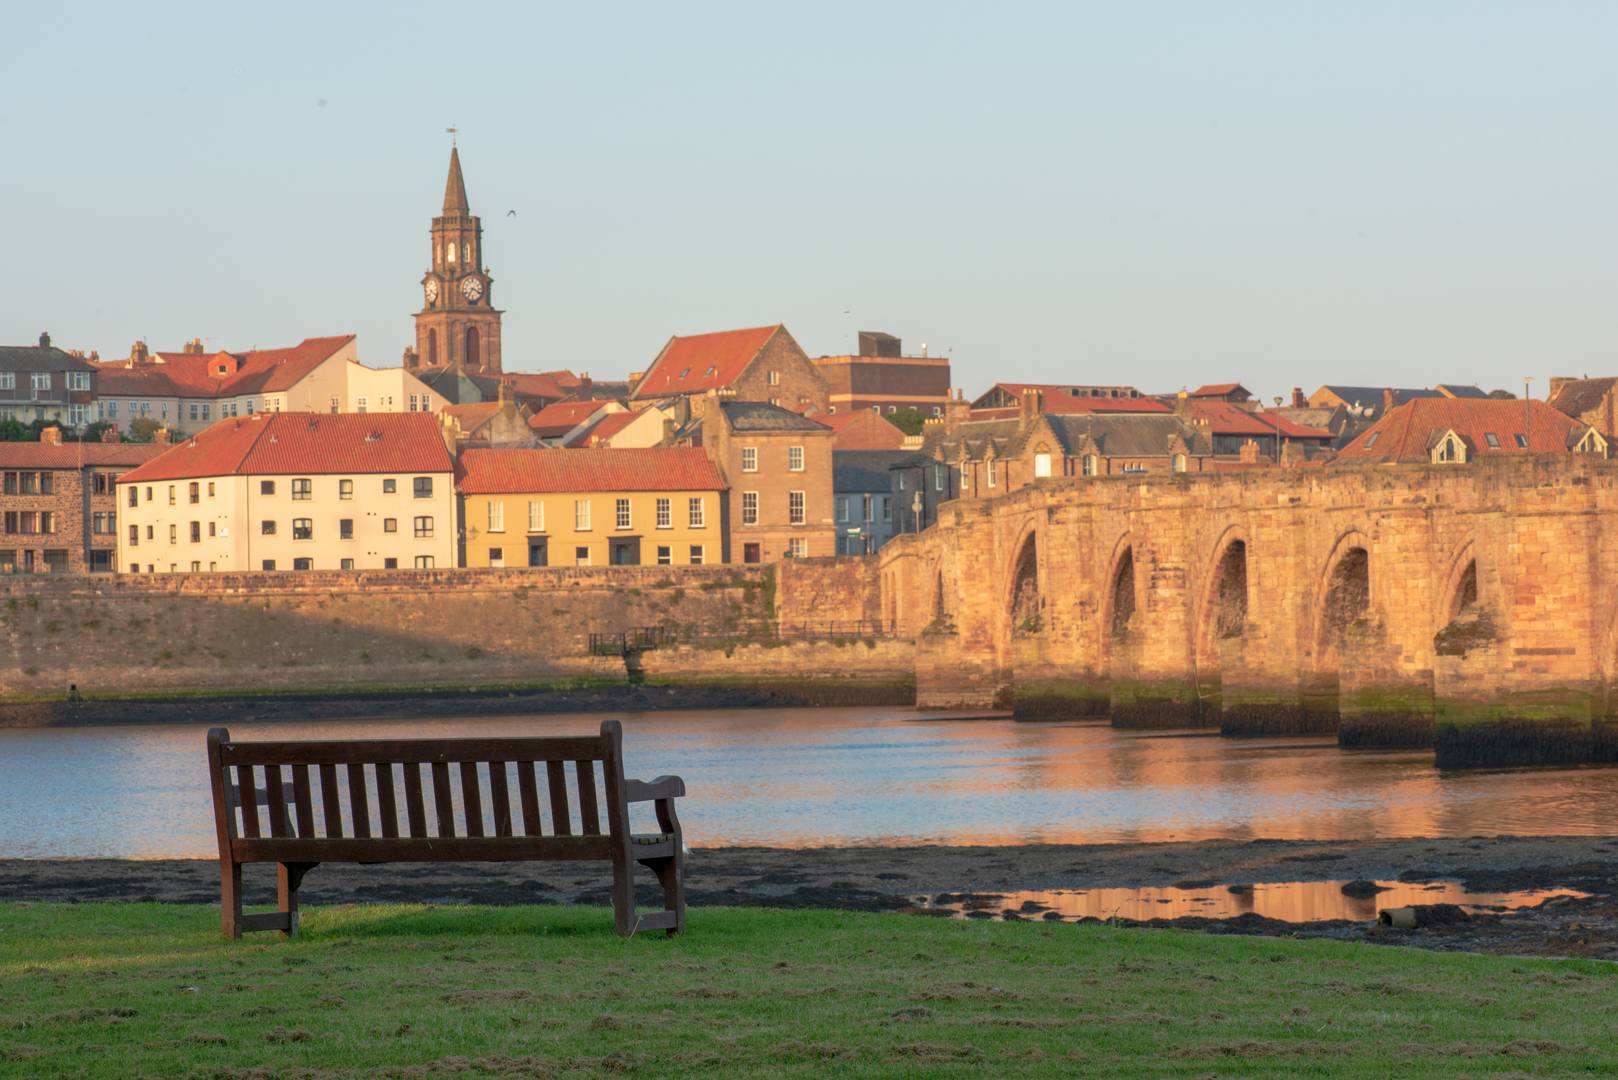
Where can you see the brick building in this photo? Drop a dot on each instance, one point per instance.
(1590, 401)
(41, 382)
(1452, 431)
(880, 377)
(58, 504)
(1005, 399)
(778, 466)
(458, 326)
(759, 364)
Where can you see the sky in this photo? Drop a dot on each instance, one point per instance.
(1161, 194)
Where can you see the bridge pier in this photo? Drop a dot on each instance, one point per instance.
(1043, 688)
(1263, 692)
(950, 676)
(1143, 696)
(1378, 704)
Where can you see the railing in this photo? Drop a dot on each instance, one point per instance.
(644, 638)
(835, 629)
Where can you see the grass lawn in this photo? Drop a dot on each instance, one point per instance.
(152, 990)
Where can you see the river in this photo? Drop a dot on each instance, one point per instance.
(831, 777)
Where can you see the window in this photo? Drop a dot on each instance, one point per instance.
(1371, 441)
(8, 380)
(390, 525)
(196, 567)
(497, 556)
(938, 478)
(798, 547)
(749, 508)
(665, 513)
(497, 516)
(266, 528)
(149, 532)
(867, 508)
(196, 532)
(134, 495)
(345, 489)
(773, 378)
(1492, 439)
(266, 487)
(109, 409)
(696, 554)
(269, 564)
(174, 531)
(210, 489)
(303, 564)
(171, 494)
(345, 529)
(424, 528)
(842, 509)
(581, 556)
(359, 405)
(389, 486)
(42, 380)
(423, 487)
(581, 515)
(303, 529)
(749, 459)
(1042, 463)
(211, 529)
(424, 562)
(390, 564)
(1091, 465)
(345, 564)
(536, 515)
(665, 555)
(696, 517)
(302, 489)
(1178, 463)
(795, 459)
(620, 516)
(1522, 441)
(795, 511)
(990, 470)
(336, 405)
(194, 494)
(134, 535)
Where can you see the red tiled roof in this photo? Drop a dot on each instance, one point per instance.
(1218, 389)
(561, 417)
(543, 384)
(1409, 431)
(702, 362)
(197, 375)
(657, 468)
(34, 455)
(862, 430)
(473, 416)
(608, 426)
(1223, 418)
(309, 443)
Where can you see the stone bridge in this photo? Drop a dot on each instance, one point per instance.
(1468, 608)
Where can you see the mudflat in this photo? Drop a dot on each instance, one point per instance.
(895, 878)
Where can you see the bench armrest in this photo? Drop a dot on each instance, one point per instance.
(664, 787)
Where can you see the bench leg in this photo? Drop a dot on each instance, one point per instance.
(288, 876)
(671, 875)
(623, 894)
(230, 900)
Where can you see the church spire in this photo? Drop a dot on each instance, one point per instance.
(455, 187)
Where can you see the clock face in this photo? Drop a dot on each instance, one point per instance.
(471, 288)
(432, 290)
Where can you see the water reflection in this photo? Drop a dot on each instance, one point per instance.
(814, 777)
(1287, 901)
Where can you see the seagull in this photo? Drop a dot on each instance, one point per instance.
(511, 213)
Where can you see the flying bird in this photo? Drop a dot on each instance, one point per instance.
(511, 213)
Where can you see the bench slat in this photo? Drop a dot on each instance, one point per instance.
(387, 809)
(529, 786)
(275, 795)
(443, 799)
(266, 920)
(407, 751)
(358, 809)
(305, 806)
(657, 920)
(247, 796)
(422, 849)
(556, 780)
(331, 800)
(415, 808)
(588, 812)
(500, 796)
(471, 798)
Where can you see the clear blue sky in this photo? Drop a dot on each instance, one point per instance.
(1157, 193)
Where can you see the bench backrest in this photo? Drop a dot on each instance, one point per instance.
(338, 797)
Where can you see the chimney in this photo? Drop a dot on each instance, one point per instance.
(110, 434)
(194, 347)
(139, 354)
(586, 387)
(1557, 382)
(1249, 453)
(44, 341)
(956, 409)
(51, 436)
(1182, 404)
(1387, 401)
(161, 436)
(1298, 400)
(1033, 403)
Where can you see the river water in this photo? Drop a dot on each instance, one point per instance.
(830, 777)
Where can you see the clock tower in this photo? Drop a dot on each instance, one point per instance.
(457, 325)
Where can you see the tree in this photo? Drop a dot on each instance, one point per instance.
(144, 429)
(909, 421)
(14, 430)
(94, 432)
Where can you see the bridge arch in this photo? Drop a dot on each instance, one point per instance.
(1344, 591)
(1225, 593)
(1461, 585)
(1122, 597)
(1024, 603)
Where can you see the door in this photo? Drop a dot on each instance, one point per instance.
(537, 553)
(750, 553)
(625, 552)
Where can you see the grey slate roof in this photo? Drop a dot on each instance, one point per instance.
(1456, 391)
(975, 435)
(762, 416)
(1579, 396)
(1123, 435)
(1370, 397)
(459, 388)
(865, 470)
(40, 358)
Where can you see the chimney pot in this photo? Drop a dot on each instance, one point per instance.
(1298, 400)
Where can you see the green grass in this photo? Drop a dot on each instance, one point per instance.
(151, 990)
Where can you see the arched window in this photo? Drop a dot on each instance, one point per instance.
(472, 354)
(452, 251)
(432, 348)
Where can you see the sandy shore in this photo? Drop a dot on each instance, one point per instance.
(890, 879)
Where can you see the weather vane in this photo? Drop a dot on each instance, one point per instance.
(451, 132)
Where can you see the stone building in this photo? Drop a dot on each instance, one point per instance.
(41, 382)
(880, 377)
(294, 491)
(1589, 401)
(58, 506)
(759, 364)
(1060, 399)
(657, 506)
(489, 423)
(1459, 430)
(778, 467)
(457, 326)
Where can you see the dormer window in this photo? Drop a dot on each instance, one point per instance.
(1522, 441)
(684, 373)
(1092, 465)
(1592, 443)
(1450, 449)
(1042, 463)
(1179, 463)
(1492, 439)
(1375, 435)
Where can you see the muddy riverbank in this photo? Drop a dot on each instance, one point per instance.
(894, 879)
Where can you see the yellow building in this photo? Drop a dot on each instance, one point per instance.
(657, 506)
(293, 491)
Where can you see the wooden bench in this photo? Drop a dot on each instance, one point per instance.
(299, 804)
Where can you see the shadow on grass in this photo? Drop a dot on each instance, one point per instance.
(365, 921)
